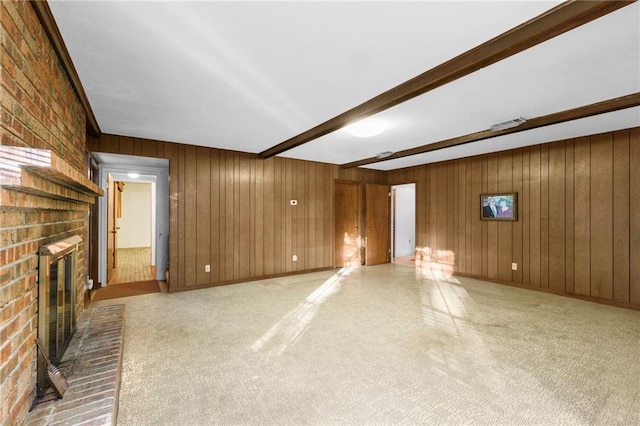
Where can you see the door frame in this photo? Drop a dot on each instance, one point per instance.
(111, 223)
(155, 172)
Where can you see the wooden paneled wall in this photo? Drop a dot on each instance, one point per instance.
(232, 210)
(578, 231)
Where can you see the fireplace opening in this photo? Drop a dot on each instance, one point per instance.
(57, 276)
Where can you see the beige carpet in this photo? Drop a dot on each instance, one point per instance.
(376, 346)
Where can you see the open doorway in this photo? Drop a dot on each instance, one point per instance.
(134, 219)
(403, 224)
(134, 223)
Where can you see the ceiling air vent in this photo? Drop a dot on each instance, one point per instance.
(384, 154)
(507, 124)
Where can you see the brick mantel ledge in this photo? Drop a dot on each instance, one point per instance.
(33, 170)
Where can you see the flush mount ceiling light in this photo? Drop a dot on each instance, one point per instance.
(133, 175)
(507, 124)
(365, 128)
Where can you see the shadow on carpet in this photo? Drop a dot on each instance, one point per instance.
(115, 291)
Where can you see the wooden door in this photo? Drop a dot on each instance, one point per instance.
(347, 235)
(111, 226)
(378, 237)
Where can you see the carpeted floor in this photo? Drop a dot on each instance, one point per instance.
(377, 346)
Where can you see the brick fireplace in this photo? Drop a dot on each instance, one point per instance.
(44, 215)
(45, 190)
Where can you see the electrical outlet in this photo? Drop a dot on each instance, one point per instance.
(294, 258)
(207, 268)
(514, 266)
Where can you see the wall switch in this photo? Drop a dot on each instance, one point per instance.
(294, 258)
(514, 266)
(294, 202)
(207, 268)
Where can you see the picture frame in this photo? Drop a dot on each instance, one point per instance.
(499, 206)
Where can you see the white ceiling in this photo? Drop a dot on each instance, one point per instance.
(248, 75)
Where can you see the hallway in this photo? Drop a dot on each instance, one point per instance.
(377, 345)
(133, 276)
(133, 265)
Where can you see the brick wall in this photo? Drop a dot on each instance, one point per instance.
(39, 109)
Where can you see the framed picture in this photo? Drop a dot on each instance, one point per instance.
(499, 206)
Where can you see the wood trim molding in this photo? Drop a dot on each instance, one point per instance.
(556, 21)
(53, 33)
(246, 280)
(624, 305)
(610, 105)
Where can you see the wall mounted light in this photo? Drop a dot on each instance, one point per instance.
(133, 175)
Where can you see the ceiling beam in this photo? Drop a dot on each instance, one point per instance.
(610, 105)
(560, 19)
(53, 33)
